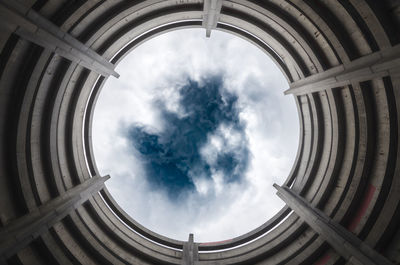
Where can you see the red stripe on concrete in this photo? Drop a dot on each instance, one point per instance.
(323, 260)
(364, 206)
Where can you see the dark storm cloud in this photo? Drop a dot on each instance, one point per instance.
(173, 158)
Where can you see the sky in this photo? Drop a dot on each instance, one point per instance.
(194, 133)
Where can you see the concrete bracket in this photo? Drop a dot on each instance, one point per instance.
(190, 252)
(344, 242)
(35, 28)
(211, 13)
(28, 227)
(374, 65)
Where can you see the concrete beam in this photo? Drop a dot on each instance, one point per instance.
(190, 252)
(19, 233)
(33, 27)
(212, 11)
(343, 241)
(374, 65)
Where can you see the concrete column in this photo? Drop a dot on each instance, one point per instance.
(344, 242)
(19, 233)
(374, 65)
(33, 27)
(212, 10)
(190, 252)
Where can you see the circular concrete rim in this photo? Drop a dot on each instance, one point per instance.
(122, 50)
(118, 57)
(347, 158)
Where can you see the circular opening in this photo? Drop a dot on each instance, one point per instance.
(194, 133)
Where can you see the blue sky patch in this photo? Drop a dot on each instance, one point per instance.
(176, 156)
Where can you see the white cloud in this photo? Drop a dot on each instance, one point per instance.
(153, 71)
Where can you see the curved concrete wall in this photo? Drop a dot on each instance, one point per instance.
(341, 59)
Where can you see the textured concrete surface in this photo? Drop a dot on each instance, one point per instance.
(341, 61)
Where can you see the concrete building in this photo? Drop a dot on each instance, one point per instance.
(341, 59)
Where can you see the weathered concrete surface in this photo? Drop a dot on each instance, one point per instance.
(22, 231)
(32, 26)
(341, 60)
(343, 241)
(212, 10)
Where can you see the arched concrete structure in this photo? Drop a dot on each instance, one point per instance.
(342, 60)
